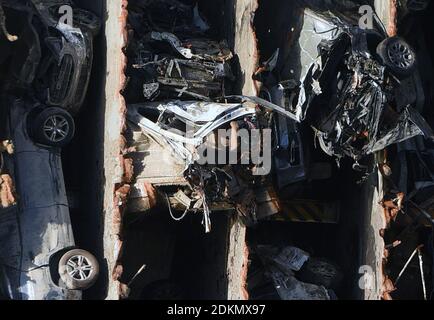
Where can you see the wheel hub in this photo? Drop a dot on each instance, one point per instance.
(401, 55)
(56, 128)
(79, 268)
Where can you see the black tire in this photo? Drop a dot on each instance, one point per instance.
(321, 272)
(397, 55)
(57, 121)
(75, 276)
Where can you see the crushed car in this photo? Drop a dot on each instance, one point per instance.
(290, 273)
(190, 74)
(40, 224)
(178, 95)
(52, 58)
(46, 66)
(172, 58)
(178, 91)
(345, 86)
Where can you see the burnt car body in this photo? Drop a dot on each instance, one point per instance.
(178, 92)
(173, 55)
(345, 84)
(293, 161)
(166, 72)
(53, 57)
(290, 273)
(188, 69)
(184, 128)
(39, 259)
(69, 62)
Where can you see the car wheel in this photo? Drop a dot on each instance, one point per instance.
(398, 56)
(321, 272)
(78, 269)
(53, 127)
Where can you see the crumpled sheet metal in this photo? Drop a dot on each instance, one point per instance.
(199, 49)
(314, 30)
(173, 41)
(281, 265)
(194, 69)
(267, 105)
(409, 125)
(211, 115)
(363, 112)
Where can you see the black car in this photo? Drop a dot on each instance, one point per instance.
(345, 84)
(50, 57)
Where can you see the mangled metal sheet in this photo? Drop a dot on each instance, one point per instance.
(354, 115)
(285, 266)
(203, 117)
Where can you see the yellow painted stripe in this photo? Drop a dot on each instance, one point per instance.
(305, 214)
(308, 211)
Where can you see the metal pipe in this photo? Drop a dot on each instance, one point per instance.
(407, 263)
(419, 254)
(136, 275)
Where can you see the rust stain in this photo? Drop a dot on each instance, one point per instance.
(7, 191)
(117, 272)
(392, 206)
(152, 194)
(122, 81)
(7, 146)
(388, 288)
(392, 29)
(244, 272)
